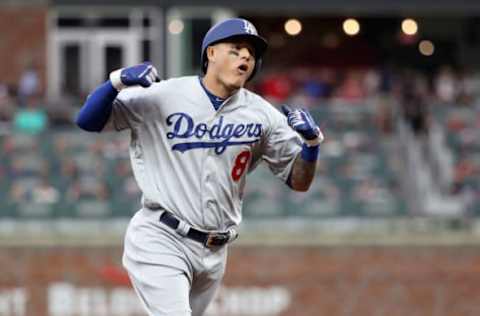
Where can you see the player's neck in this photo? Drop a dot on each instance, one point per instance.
(217, 87)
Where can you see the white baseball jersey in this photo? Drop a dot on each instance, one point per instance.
(191, 159)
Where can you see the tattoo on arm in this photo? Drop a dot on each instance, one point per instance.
(302, 174)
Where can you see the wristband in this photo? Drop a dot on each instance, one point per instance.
(313, 142)
(310, 153)
(116, 80)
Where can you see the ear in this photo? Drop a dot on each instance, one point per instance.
(211, 54)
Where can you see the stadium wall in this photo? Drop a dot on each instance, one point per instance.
(267, 281)
(23, 41)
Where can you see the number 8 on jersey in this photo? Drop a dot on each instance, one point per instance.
(240, 165)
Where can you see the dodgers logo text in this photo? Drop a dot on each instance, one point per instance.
(220, 135)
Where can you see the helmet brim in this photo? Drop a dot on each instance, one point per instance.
(259, 43)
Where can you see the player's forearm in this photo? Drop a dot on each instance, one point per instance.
(303, 170)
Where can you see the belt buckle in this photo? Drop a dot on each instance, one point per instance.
(216, 239)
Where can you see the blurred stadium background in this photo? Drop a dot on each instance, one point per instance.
(391, 224)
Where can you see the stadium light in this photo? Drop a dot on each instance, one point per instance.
(293, 27)
(426, 48)
(176, 26)
(351, 27)
(409, 26)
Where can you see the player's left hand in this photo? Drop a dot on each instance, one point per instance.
(302, 122)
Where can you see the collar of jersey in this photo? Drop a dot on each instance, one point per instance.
(215, 100)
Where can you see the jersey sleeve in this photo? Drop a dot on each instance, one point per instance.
(130, 108)
(281, 146)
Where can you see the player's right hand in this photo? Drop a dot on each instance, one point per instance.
(143, 74)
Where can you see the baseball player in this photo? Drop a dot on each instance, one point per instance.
(193, 141)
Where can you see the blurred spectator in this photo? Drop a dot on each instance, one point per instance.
(445, 85)
(464, 169)
(386, 74)
(33, 189)
(19, 192)
(123, 169)
(27, 165)
(69, 169)
(314, 86)
(367, 190)
(116, 148)
(28, 84)
(88, 188)
(414, 102)
(66, 173)
(372, 83)
(7, 107)
(32, 119)
(45, 193)
(468, 86)
(276, 87)
(131, 189)
(61, 112)
(457, 120)
(351, 89)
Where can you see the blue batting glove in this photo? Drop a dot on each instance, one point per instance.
(143, 74)
(302, 122)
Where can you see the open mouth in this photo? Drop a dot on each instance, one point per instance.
(243, 68)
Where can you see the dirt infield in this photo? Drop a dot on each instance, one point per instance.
(296, 281)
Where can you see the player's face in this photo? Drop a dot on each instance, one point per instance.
(233, 63)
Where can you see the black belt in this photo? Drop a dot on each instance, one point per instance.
(209, 239)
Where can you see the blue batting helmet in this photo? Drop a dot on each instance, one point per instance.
(234, 28)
